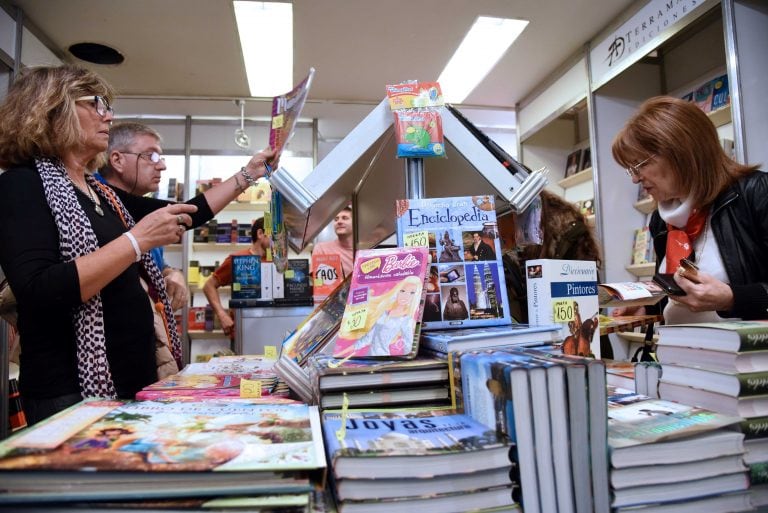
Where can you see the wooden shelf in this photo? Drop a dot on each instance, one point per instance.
(641, 270)
(646, 206)
(720, 117)
(580, 177)
(215, 246)
(202, 334)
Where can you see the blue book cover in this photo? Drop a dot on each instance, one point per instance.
(410, 443)
(721, 96)
(246, 277)
(466, 286)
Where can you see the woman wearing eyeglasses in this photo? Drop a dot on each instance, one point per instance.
(711, 210)
(71, 250)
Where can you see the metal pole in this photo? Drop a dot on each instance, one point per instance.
(414, 178)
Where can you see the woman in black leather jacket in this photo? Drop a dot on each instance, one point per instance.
(711, 210)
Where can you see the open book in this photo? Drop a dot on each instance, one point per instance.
(629, 293)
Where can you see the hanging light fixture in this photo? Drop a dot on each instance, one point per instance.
(241, 138)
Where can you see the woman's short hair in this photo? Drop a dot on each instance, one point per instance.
(681, 133)
(38, 116)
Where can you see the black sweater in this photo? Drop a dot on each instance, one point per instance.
(48, 290)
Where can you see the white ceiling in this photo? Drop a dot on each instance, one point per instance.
(190, 48)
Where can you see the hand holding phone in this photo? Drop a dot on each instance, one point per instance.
(667, 283)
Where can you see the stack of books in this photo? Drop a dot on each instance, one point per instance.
(421, 460)
(100, 451)
(552, 406)
(220, 377)
(667, 456)
(440, 343)
(421, 382)
(723, 367)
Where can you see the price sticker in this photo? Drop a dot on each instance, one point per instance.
(270, 352)
(290, 274)
(236, 286)
(416, 239)
(278, 121)
(564, 310)
(370, 265)
(355, 320)
(342, 431)
(318, 282)
(250, 388)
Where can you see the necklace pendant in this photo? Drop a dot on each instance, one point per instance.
(98, 209)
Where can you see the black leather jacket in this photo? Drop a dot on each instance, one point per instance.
(740, 226)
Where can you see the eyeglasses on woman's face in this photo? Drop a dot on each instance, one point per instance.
(151, 156)
(633, 171)
(99, 102)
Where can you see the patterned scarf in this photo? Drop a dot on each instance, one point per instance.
(77, 238)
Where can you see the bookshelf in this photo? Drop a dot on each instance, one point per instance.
(576, 179)
(646, 206)
(641, 270)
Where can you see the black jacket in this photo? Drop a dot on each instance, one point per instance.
(740, 226)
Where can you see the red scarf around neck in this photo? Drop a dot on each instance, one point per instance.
(680, 241)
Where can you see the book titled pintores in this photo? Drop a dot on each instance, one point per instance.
(465, 258)
(111, 449)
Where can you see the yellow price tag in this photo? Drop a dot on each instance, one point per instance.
(318, 282)
(250, 388)
(290, 273)
(355, 320)
(416, 239)
(341, 433)
(236, 286)
(370, 265)
(270, 352)
(564, 310)
(278, 121)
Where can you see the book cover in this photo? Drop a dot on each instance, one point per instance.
(629, 293)
(468, 289)
(565, 292)
(735, 336)
(297, 284)
(572, 163)
(422, 396)
(326, 274)
(384, 305)
(392, 444)
(179, 443)
(286, 110)
(246, 277)
(721, 96)
(634, 419)
(641, 245)
(445, 341)
(317, 328)
(702, 96)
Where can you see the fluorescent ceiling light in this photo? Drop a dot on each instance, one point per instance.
(487, 40)
(266, 39)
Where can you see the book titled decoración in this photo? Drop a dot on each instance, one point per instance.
(382, 317)
(565, 292)
(465, 258)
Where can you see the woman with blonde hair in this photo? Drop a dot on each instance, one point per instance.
(74, 254)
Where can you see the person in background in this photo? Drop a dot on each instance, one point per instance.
(75, 251)
(343, 245)
(222, 276)
(479, 249)
(134, 163)
(711, 210)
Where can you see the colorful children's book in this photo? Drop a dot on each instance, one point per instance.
(429, 443)
(164, 449)
(465, 255)
(382, 317)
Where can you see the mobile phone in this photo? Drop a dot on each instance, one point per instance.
(667, 283)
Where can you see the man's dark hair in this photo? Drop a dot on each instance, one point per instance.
(257, 225)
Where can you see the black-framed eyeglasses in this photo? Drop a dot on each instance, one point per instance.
(99, 102)
(151, 156)
(634, 170)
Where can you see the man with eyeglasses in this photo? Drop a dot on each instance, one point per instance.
(134, 164)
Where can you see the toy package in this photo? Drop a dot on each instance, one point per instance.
(418, 124)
